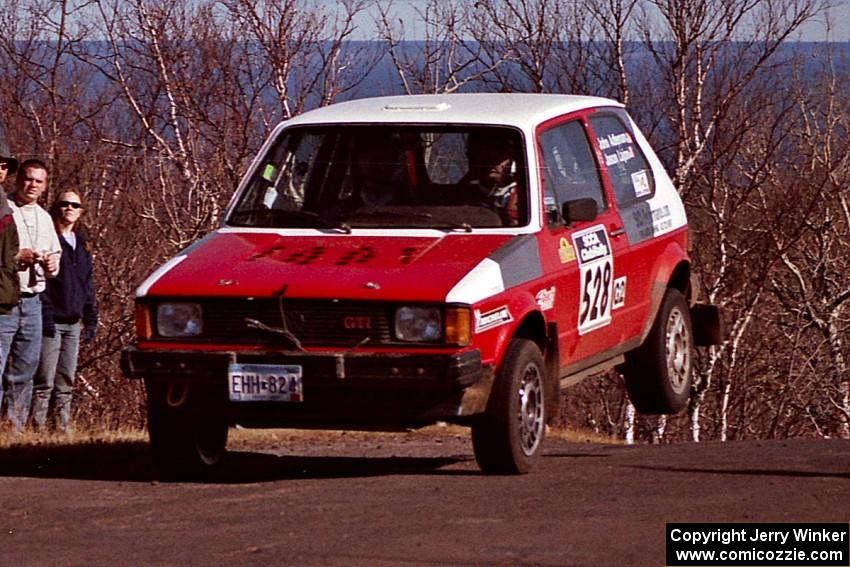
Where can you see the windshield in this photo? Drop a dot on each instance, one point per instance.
(342, 177)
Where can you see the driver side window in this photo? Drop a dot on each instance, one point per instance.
(569, 169)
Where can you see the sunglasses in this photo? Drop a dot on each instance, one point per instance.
(4, 165)
(72, 204)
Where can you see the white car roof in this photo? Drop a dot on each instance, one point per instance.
(511, 109)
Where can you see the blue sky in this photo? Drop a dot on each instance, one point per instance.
(813, 31)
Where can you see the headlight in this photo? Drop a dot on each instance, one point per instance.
(179, 320)
(421, 324)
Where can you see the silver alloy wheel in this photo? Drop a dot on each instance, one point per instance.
(678, 351)
(530, 409)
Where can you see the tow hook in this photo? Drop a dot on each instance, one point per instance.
(176, 394)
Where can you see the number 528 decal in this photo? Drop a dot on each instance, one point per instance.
(596, 264)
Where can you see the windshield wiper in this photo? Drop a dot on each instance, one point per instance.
(464, 226)
(393, 214)
(418, 215)
(304, 216)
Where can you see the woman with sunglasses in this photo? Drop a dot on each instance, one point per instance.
(68, 300)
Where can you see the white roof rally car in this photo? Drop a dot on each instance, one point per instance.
(392, 262)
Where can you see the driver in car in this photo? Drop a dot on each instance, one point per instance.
(376, 174)
(491, 179)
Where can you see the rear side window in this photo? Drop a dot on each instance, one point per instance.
(569, 169)
(628, 169)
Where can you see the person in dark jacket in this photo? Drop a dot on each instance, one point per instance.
(9, 288)
(68, 301)
(9, 285)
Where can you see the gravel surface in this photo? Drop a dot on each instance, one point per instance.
(297, 498)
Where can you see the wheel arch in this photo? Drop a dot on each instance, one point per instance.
(673, 271)
(545, 335)
(680, 279)
(533, 328)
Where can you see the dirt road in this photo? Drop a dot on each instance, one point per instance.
(402, 500)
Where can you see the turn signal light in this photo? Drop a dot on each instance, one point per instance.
(144, 330)
(458, 325)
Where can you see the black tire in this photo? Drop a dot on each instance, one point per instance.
(659, 373)
(506, 439)
(187, 444)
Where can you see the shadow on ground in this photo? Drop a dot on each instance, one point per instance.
(133, 462)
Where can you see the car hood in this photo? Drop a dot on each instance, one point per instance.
(368, 267)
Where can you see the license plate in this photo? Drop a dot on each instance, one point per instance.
(264, 383)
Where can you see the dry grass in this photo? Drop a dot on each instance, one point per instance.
(103, 437)
(272, 435)
(246, 438)
(582, 436)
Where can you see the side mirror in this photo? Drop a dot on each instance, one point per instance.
(579, 210)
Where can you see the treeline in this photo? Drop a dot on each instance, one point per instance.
(154, 108)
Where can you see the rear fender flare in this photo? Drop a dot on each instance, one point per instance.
(672, 269)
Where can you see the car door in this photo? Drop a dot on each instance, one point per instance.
(581, 255)
(632, 186)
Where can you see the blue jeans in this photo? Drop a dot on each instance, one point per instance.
(55, 376)
(20, 347)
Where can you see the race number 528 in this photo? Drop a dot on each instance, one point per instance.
(597, 278)
(596, 296)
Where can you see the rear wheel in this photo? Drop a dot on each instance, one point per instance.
(507, 437)
(659, 373)
(187, 443)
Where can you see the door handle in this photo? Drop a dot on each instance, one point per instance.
(619, 231)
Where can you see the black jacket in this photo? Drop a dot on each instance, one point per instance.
(10, 285)
(69, 296)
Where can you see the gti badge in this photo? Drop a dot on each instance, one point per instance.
(357, 322)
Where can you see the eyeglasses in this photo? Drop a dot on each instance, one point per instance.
(4, 166)
(72, 204)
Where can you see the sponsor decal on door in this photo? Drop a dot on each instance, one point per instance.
(619, 292)
(546, 298)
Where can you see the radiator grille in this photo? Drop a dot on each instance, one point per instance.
(312, 322)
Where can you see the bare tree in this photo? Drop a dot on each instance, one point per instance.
(715, 59)
(45, 96)
(443, 61)
(815, 286)
(707, 53)
(306, 48)
(615, 21)
(536, 45)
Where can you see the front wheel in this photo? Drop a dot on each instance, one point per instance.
(506, 439)
(186, 444)
(659, 373)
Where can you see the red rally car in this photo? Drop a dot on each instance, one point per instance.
(392, 262)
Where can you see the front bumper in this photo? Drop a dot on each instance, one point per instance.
(340, 389)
